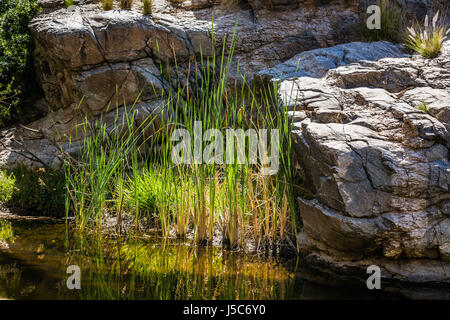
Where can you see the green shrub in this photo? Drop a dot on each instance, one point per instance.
(7, 182)
(35, 191)
(68, 3)
(176, 3)
(427, 39)
(148, 6)
(15, 56)
(392, 20)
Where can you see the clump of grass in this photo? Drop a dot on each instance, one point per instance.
(427, 38)
(6, 231)
(126, 4)
(7, 185)
(68, 3)
(176, 2)
(423, 107)
(233, 200)
(148, 6)
(392, 20)
(107, 5)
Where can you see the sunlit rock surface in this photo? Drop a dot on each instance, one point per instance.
(378, 167)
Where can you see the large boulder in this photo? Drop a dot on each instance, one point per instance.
(376, 163)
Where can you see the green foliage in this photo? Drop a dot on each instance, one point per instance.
(392, 18)
(230, 4)
(148, 6)
(15, 54)
(107, 5)
(6, 231)
(235, 198)
(68, 3)
(427, 38)
(41, 191)
(423, 107)
(7, 183)
(142, 191)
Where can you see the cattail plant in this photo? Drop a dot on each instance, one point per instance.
(427, 39)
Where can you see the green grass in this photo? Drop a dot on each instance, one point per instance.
(148, 6)
(427, 38)
(7, 184)
(17, 85)
(423, 107)
(233, 201)
(392, 20)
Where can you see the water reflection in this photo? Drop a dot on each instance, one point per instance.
(33, 266)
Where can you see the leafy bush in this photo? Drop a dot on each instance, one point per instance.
(38, 191)
(392, 20)
(15, 55)
(7, 182)
(427, 39)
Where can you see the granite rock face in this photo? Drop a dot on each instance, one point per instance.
(89, 61)
(378, 167)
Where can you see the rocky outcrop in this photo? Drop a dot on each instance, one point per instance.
(378, 167)
(89, 61)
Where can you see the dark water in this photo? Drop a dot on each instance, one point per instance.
(34, 260)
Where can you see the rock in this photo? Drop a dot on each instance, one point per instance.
(316, 63)
(377, 166)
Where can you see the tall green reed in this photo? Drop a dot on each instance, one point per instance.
(232, 201)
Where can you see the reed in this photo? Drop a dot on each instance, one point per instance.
(233, 201)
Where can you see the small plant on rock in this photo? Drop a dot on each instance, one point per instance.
(176, 3)
(126, 4)
(7, 183)
(68, 3)
(427, 39)
(148, 6)
(423, 107)
(107, 5)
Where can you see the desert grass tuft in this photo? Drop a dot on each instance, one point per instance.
(427, 38)
(148, 7)
(126, 4)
